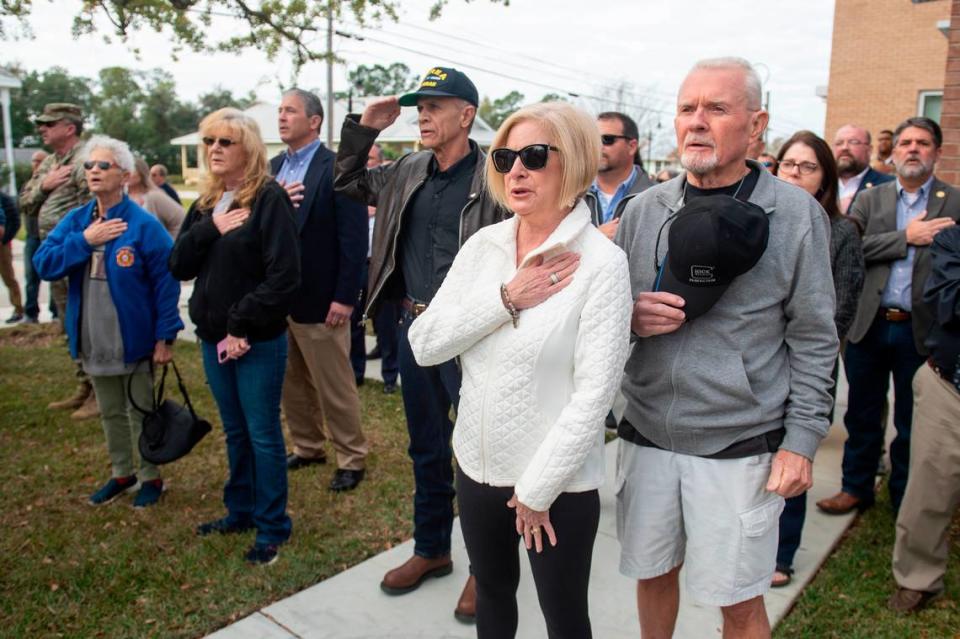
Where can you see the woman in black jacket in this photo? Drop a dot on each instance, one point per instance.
(807, 161)
(239, 241)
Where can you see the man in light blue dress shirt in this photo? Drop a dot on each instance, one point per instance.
(899, 219)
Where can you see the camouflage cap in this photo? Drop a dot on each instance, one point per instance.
(56, 111)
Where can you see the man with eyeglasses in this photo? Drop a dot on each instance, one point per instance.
(59, 186)
(621, 175)
(852, 148)
(428, 204)
(727, 382)
(900, 220)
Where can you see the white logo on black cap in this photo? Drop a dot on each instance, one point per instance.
(702, 274)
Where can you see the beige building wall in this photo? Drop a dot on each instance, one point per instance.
(885, 52)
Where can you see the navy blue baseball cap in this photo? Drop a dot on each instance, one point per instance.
(443, 82)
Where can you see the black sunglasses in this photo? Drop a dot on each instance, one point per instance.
(223, 142)
(608, 138)
(533, 157)
(103, 165)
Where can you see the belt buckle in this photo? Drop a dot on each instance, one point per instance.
(894, 315)
(418, 309)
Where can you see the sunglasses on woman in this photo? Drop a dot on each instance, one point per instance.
(223, 142)
(533, 157)
(103, 165)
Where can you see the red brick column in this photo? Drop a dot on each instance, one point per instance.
(948, 169)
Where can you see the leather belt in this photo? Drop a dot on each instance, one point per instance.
(414, 308)
(894, 314)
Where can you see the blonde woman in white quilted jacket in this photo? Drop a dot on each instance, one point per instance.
(537, 308)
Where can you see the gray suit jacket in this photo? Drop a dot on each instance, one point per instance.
(876, 211)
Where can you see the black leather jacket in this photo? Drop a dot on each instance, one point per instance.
(390, 188)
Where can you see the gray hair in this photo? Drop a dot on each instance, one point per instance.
(752, 85)
(121, 152)
(311, 103)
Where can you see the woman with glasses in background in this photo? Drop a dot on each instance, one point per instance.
(537, 308)
(122, 308)
(239, 240)
(807, 161)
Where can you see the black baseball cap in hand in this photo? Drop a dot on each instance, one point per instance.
(443, 82)
(712, 241)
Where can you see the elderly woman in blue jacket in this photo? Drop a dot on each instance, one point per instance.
(121, 308)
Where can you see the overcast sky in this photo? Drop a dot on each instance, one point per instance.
(533, 46)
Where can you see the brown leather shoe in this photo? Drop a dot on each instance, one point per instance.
(88, 410)
(905, 601)
(73, 402)
(466, 610)
(411, 574)
(842, 503)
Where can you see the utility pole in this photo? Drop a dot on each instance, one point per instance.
(329, 114)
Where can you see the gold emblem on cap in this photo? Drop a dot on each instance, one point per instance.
(941, 194)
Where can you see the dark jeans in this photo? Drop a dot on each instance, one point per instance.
(31, 306)
(428, 395)
(795, 511)
(791, 526)
(247, 392)
(561, 573)
(385, 326)
(886, 348)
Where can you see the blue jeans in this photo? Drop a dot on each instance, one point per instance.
(428, 394)
(385, 323)
(248, 392)
(887, 348)
(31, 306)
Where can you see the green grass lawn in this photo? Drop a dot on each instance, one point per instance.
(848, 597)
(70, 570)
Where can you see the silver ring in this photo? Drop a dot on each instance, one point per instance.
(554, 278)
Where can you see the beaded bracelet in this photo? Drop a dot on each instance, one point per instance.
(505, 298)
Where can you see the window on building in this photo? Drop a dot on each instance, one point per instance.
(929, 104)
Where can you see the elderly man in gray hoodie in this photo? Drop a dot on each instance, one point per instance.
(734, 345)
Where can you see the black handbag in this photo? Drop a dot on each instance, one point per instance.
(170, 430)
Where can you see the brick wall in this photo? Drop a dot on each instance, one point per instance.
(948, 169)
(884, 53)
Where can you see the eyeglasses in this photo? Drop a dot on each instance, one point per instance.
(103, 165)
(806, 168)
(533, 157)
(223, 142)
(608, 138)
(851, 143)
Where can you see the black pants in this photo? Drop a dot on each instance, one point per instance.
(561, 573)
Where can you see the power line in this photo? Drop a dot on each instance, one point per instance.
(575, 94)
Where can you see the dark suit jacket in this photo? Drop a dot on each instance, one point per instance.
(871, 179)
(333, 242)
(876, 211)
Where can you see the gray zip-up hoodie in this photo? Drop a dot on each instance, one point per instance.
(761, 358)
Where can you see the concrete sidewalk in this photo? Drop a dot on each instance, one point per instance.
(350, 605)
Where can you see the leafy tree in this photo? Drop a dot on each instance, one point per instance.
(40, 88)
(553, 97)
(220, 97)
(271, 26)
(494, 112)
(380, 80)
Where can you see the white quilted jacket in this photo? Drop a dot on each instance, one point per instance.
(534, 398)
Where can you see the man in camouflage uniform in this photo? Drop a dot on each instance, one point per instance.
(58, 186)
